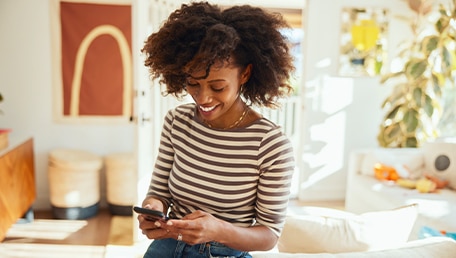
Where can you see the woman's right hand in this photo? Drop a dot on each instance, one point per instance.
(150, 228)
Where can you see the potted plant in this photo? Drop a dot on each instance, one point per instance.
(414, 107)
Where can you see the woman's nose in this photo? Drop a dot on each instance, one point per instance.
(203, 95)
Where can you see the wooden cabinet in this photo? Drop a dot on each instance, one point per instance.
(17, 182)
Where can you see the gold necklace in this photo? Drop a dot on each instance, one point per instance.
(235, 123)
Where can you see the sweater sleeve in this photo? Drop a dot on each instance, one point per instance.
(159, 183)
(276, 164)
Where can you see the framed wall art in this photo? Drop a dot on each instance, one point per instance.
(92, 60)
(363, 42)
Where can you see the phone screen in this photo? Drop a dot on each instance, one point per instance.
(151, 215)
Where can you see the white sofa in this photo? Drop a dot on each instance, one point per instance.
(366, 193)
(331, 233)
(437, 247)
(381, 220)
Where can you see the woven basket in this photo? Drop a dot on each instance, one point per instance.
(83, 160)
(74, 178)
(120, 179)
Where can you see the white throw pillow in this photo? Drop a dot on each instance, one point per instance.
(333, 231)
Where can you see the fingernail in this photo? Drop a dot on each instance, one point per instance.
(169, 223)
(157, 224)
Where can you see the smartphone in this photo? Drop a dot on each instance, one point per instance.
(151, 215)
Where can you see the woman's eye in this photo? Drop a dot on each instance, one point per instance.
(217, 89)
(192, 84)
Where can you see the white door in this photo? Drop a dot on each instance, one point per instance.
(149, 105)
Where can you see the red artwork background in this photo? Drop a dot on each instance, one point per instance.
(102, 78)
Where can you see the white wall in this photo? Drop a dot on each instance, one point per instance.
(340, 113)
(25, 83)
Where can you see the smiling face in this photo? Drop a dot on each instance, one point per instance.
(218, 95)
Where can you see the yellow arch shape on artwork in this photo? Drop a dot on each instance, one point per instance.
(126, 65)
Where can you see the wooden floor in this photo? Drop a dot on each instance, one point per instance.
(46, 230)
(102, 236)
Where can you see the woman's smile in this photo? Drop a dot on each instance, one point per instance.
(217, 94)
(207, 109)
(206, 112)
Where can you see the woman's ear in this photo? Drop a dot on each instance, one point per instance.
(245, 76)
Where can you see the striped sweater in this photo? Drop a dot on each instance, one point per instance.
(241, 175)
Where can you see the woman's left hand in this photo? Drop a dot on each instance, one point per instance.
(195, 228)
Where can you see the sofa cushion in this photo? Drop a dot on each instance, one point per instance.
(332, 231)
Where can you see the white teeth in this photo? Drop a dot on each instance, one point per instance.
(207, 109)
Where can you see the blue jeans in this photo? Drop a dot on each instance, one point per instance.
(171, 248)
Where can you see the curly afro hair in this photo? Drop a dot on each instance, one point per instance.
(199, 34)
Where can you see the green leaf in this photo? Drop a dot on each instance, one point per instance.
(430, 44)
(393, 112)
(442, 23)
(411, 142)
(392, 132)
(411, 120)
(439, 26)
(428, 106)
(446, 59)
(417, 96)
(416, 68)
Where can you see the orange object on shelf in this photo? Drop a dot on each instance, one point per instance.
(384, 172)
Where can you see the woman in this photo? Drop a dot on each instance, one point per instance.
(223, 171)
